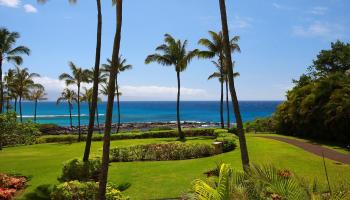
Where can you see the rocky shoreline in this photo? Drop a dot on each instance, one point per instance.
(134, 126)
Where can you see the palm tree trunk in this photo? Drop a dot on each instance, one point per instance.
(222, 101)
(118, 102)
(98, 121)
(15, 104)
(109, 110)
(241, 136)
(95, 85)
(35, 107)
(70, 116)
(20, 108)
(181, 134)
(227, 105)
(79, 131)
(1, 86)
(8, 105)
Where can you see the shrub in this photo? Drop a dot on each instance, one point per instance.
(82, 171)
(227, 144)
(267, 124)
(128, 135)
(42, 192)
(165, 151)
(161, 128)
(13, 133)
(75, 190)
(233, 130)
(48, 128)
(9, 185)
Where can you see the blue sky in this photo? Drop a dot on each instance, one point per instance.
(279, 40)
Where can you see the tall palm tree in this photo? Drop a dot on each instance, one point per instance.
(120, 67)
(23, 83)
(228, 63)
(70, 97)
(109, 110)
(214, 47)
(78, 77)
(9, 79)
(174, 53)
(37, 93)
(235, 74)
(9, 53)
(87, 97)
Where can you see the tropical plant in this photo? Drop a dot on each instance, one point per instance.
(70, 97)
(174, 53)
(228, 63)
(120, 67)
(10, 94)
(214, 47)
(37, 93)
(9, 53)
(111, 93)
(78, 77)
(23, 82)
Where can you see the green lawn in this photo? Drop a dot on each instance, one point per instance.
(165, 179)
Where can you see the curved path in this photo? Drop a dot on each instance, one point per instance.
(315, 149)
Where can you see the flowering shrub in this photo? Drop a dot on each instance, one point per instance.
(6, 193)
(9, 185)
(74, 190)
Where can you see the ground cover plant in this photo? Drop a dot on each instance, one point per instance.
(9, 185)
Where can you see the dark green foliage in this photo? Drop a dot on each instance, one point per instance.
(128, 135)
(82, 171)
(42, 192)
(233, 130)
(13, 133)
(319, 105)
(161, 128)
(267, 124)
(75, 190)
(228, 144)
(47, 128)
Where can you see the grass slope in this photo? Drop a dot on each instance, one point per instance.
(166, 179)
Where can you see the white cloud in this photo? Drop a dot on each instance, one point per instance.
(281, 7)
(29, 8)
(242, 23)
(318, 10)
(324, 30)
(10, 3)
(54, 87)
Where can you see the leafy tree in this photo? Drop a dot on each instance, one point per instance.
(120, 67)
(9, 53)
(78, 77)
(228, 63)
(111, 93)
(70, 97)
(37, 93)
(174, 53)
(23, 82)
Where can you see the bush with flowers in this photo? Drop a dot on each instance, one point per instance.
(9, 185)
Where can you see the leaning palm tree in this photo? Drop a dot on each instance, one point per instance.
(9, 53)
(228, 64)
(37, 93)
(120, 67)
(214, 47)
(70, 97)
(23, 82)
(109, 110)
(78, 77)
(174, 53)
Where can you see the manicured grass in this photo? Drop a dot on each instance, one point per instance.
(165, 179)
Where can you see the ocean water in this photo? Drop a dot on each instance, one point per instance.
(148, 111)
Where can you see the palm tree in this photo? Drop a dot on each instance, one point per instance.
(109, 110)
(22, 84)
(78, 76)
(37, 93)
(174, 53)
(235, 74)
(120, 67)
(214, 47)
(70, 97)
(9, 79)
(228, 63)
(10, 54)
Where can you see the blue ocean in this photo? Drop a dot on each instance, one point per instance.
(148, 111)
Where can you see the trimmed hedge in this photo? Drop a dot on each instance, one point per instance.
(128, 135)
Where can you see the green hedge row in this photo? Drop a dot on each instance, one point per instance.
(128, 135)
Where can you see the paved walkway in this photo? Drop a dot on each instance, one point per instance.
(315, 149)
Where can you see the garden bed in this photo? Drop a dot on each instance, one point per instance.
(10, 185)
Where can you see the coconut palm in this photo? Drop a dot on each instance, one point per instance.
(78, 77)
(70, 97)
(228, 64)
(37, 93)
(23, 82)
(9, 53)
(174, 53)
(120, 67)
(214, 47)
(9, 79)
(109, 110)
